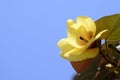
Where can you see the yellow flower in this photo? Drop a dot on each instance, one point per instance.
(80, 36)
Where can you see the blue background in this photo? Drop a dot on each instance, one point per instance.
(30, 29)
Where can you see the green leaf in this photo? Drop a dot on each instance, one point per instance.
(112, 24)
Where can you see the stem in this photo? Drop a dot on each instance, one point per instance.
(101, 51)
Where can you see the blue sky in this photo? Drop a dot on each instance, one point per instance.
(30, 29)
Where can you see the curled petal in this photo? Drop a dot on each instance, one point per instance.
(70, 22)
(84, 28)
(88, 23)
(90, 42)
(74, 35)
(82, 32)
(100, 33)
(85, 47)
(64, 45)
(66, 48)
(90, 53)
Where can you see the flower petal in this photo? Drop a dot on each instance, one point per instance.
(100, 33)
(82, 32)
(89, 43)
(70, 22)
(64, 45)
(90, 53)
(74, 35)
(66, 48)
(85, 47)
(88, 23)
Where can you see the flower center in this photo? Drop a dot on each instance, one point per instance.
(81, 38)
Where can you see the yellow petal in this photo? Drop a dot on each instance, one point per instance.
(100, 33)
(89, 43)
(74, 35)
(73, 51)
(66, 48)
(88, 23)
(70, 22)
(85, 47)
(90, 53)
(64, 45)
(82, 32)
